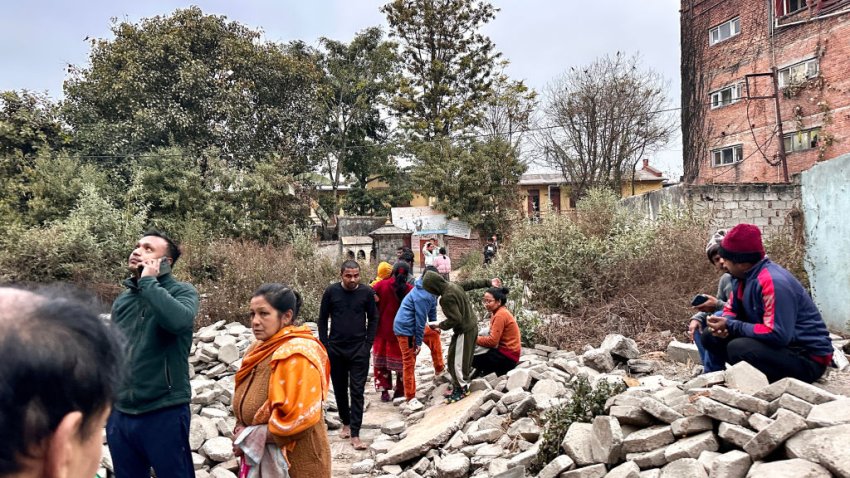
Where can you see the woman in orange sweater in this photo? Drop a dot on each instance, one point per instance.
(504, 340)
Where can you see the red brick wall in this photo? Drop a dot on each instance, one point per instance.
(457, 248)
(753, 123)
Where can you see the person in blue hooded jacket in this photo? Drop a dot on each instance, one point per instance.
(417, 309)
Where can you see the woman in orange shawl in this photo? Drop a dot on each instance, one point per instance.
(283, 381)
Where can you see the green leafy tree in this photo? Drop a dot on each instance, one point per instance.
(448, 64)
(29, 123)
(475, 181)
(358, 79)
(195, 81)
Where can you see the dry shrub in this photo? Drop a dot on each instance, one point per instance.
(607, 269)
(241, 266)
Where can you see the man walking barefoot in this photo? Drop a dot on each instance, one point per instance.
(353, 315)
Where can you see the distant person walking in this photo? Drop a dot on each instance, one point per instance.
(353, 315)
(386, 355)
(443, 264)
(490, 250)
(149, 426)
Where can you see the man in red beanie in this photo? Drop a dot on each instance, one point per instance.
(769, 320)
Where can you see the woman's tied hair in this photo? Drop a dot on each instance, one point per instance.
(401, 272)
(282, 298)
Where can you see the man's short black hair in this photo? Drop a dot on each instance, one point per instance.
(58, 357)
(173, 248)
(349, 264)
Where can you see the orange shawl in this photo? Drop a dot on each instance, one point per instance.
(298, 384)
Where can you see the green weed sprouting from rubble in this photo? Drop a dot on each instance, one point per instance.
(586, 403)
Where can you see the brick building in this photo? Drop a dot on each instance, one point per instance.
(745, 60)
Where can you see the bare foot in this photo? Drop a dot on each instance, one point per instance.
(357, 444)
(345, 432)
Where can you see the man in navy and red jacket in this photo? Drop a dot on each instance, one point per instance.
(769, 321)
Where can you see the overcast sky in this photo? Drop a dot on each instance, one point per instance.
(541, 38)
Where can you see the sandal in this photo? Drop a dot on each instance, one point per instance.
(385, 396)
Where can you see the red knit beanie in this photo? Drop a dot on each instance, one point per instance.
(742, 244)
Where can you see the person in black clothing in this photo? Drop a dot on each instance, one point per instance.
(354, 322)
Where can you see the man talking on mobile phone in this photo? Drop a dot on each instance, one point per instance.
(149, 425)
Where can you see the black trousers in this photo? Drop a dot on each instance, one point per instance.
(490, 362)
(775, 362)
(349, 369)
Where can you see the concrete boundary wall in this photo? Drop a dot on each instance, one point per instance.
(826, 202)
(775, 208)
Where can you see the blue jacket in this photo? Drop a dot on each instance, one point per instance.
(418, 307)
(770, 305)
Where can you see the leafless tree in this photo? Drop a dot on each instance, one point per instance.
(598, 121)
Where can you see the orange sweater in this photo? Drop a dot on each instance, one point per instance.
(504, 332)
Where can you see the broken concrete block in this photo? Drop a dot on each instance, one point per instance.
(577, 443)
(689, 467)
(827, 446)
(649, 459)
(659, 410)
(653, 473)
(621, 347)
(683, 352)
(691, 447)
(759, 422)
(648, 439)
(687, 426)
(830, 414)
(734, 464)
(739, 400)
(774, 435)
(799, 389)
(627, 470)
(745, 378)
(791, 403)
(599, 360)
(519, 378)
(706, 459)
(795, 468)
(631, 415)
(555, 467)
(593, 471)
(453, 466)
(606, 440)
(706, 380)
(721, 412)
(735, 434)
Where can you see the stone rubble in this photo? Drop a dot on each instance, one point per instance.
(723, 424)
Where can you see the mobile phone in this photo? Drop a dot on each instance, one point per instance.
(698, 300)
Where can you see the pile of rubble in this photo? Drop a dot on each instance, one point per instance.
(723, 424)
(726, 424)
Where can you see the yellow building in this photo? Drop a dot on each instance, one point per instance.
(547, 193)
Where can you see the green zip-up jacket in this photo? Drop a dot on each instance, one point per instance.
(157, 317)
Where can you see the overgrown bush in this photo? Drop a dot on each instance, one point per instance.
(241, 266)
(586, 403)
(606, 269)
(90, 246)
